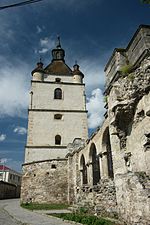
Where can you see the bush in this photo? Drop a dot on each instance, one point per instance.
(105, 99)
(125, 70)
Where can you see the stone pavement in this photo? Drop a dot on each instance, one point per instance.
(6, 219)
(21, 216)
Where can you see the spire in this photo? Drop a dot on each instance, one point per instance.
(58, 42)
(58, 53)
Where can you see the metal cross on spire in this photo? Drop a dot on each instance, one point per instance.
(58, 42)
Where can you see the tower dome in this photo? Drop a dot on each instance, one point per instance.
(77, 74)
(37, 73)
(58, 53)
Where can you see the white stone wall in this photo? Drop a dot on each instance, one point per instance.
(73, 96)
(52, 78)
(43, 127)
(41, 153)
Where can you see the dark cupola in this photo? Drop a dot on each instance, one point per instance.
(58, 53)
(57, 65)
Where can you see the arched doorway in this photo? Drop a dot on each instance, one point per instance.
(95, 164)
(83, 170)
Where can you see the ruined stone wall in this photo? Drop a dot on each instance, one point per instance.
(74, 178)
(99, 199)
(126, 131)
(45, 181)
(129, 105)
(132, 190)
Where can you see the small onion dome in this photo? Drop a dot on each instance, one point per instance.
(58, 53)
(39, 68)
(76, 71)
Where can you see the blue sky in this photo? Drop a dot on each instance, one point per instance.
(89, 30)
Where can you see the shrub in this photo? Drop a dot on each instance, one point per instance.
(125, 70)
(105, 99)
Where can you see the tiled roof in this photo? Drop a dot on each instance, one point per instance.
(2, 167)
(58, 67)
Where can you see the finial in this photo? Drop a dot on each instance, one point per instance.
(76, 66)
(58, 42)
(40, 59)
(40, 64)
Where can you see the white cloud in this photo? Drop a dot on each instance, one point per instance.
(43, 50)
(3, 160)
(14, 89)
(95, 107)
(94, 74)
(20, 130)
(12, 164)
(46, 44)
(39, 29)
(2, 137)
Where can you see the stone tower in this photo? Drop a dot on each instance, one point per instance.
(57, 115)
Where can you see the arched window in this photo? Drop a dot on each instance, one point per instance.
(83, 170)
(57, 140)
(107, 148)
(58, 93)
(95, 164)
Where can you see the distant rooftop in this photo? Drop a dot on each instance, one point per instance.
(4, 168)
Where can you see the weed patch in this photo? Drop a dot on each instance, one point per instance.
(83, 218)
(44, 206)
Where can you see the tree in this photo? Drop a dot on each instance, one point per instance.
(145, 1)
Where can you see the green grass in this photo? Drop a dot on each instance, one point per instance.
(83, 218)
(44, 206)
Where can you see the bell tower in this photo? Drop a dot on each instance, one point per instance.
(57, 111)
(57, 115)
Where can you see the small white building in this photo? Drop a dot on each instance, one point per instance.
(10, 176)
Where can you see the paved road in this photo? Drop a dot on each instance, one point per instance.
(6, 219)
(12, 214)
